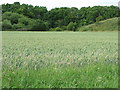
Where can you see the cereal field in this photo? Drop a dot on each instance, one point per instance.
(60, 60)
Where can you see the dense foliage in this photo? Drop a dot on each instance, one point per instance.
(28, 17)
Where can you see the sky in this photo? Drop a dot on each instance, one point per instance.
(50, 4)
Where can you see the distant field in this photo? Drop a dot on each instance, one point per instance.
(60, 59)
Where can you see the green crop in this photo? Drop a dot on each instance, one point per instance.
(60, 60)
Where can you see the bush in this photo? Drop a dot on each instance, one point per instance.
(52, 29)
(58, 29)
(98, 19)
(64, 28)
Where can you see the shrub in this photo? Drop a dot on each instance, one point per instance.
(98, 19)
(58, 29)
(64, 28)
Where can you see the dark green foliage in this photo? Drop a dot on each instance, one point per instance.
(58, 29)
(24, 20)
(27, 16)
(64, 28)
(13, 17)
(40, 25)
(6, 24)
(98, 19)
(18, 26)
(72, 26)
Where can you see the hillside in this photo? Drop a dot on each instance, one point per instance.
(105, 25)
(26, 17)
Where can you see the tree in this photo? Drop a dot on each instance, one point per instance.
(37, 16)
(19, 26)
(40, 25)
(98, 19)
(6, 24)
(72, 26)
(6, 15)
(13, 17)
(15, 6)
(24, 20)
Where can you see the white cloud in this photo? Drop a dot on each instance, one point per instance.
(64, 3)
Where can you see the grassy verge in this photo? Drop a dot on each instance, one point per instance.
(90, 76)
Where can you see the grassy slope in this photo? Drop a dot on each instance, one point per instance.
(105, 25)
(66, 59)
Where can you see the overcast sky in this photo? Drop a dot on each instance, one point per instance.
(64, 3)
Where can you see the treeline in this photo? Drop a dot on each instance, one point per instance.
(36, 18)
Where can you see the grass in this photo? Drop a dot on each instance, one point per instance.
(105, 25)
(60, 60)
